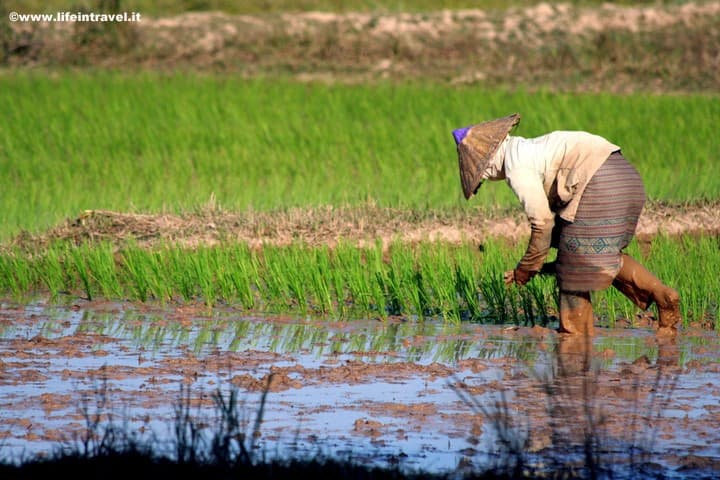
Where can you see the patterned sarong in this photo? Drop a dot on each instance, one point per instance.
(589, 248)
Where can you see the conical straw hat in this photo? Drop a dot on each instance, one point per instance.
(476, 145)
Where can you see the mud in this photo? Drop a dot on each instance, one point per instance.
(424, 395)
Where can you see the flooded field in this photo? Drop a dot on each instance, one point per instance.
(422, 395)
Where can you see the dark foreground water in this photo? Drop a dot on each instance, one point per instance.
(422, 395)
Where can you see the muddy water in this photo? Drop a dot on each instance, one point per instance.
(428, 395)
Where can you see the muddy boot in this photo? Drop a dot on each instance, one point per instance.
(576, 314)
(643, 288)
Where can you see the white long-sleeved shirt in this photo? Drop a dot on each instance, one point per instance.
(549, 173)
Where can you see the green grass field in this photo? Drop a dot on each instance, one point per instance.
(151, 142)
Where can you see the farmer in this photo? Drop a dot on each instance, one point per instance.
(582, 197)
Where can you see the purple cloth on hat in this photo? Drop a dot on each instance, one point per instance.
(460, 134)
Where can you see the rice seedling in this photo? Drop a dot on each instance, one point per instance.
(350, 261)
(689, 265)
(80, 264)
(180, 274)
(427, 280)
(439, 275)
(406, 283)
(320, 277)
(295, 270)
(376, 280)
(95, 266)
(134, 260)
(274, 289)
(398, 281)
(495, 295)
(339, 289)
(467, 283)
(245, 275)
(50, 271)
(205, 269)
(222, 260)
(17, 274)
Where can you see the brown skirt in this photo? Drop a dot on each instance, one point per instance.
(589, 248)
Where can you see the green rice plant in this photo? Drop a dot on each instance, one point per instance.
(423, 280)
(181, 273)
(244, 274)
(528, 305)
(377, 279)
(152, 267)
(101, 265)
(285, 277)
(321, 277)
(222, 265)
(80, 261)
(17, 275)
(273, 289)
(205, 273)
(420, 294)
(146, 273)
(295, 270)
(135, 263)
(339, 287)
(397, 277)
(689, 265)
(159, 279)
(497, 297)
(350, 261)
(50, 270)
(466, 282)
(610, 305)
(439, 274)
(404, 282)
(538, 293)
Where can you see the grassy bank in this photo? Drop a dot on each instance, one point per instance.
(428, 280)
(170, 7)
(578, 46)
(150, 142)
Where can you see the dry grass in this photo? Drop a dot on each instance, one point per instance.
(612, 48)
(326, 226)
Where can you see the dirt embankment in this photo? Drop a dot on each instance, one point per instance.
(330, 225)
(617, 48)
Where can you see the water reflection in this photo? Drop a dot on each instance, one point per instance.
(57, 353)
(201, 332)
(422, 342)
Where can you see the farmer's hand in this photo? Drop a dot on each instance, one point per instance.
(517, 276)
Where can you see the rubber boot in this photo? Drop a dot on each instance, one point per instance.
(643, 288)
(576, 313)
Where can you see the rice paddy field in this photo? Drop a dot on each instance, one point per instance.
(150, 143)
(339, 321)
(155, 143)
